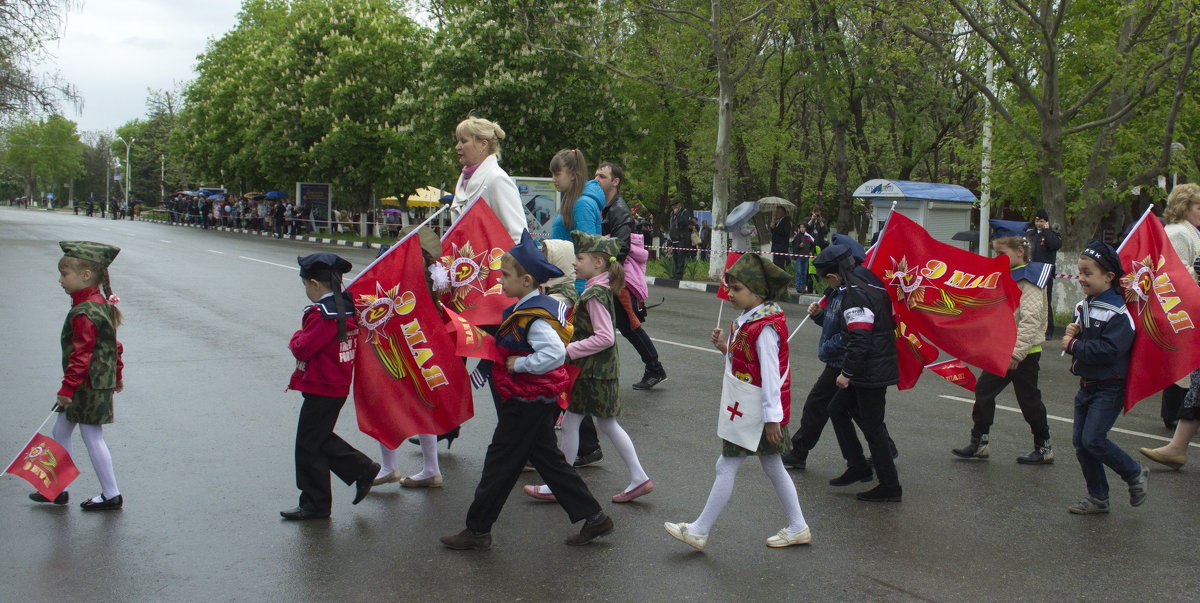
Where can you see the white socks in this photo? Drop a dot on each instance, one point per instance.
(785, 489)
(624, 445)
(387, 461)
(93, 439)
(718, 497)
(429, 456)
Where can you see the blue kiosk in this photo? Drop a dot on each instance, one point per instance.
(943, 209)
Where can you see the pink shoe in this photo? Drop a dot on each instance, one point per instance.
(535, 492)
(641, 489)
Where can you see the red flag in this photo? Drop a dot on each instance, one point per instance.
(45, 465)
(913, 353)
(470, 340)
(730, 259)
(471, 252)
(408, 378)
(955, 372)
(1164, 302)
(960, 301)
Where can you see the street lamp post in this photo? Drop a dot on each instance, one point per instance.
(128, 175)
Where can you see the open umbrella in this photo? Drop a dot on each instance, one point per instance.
(392, 212)
(741, 214)
(772, 202)
(276, 195)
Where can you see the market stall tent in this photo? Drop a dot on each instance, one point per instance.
(943, 209)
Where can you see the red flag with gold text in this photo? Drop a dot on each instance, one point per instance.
(730, 259)
(408, 379)
(471, 251)
(960, 301)
(45, 465)
(955, 372)
(913, 354)
(470, 341)
(1164, 302)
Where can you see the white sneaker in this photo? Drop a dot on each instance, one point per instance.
(680, 532)
(786, 538)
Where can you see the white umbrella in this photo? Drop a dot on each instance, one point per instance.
(773, 202)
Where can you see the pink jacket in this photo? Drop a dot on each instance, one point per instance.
(635, 266)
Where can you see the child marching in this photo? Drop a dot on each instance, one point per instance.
(92, 364)
(1099, 340)
(1032, 278)
(593, 349)
(324, 348)
(756, 373)
(529, 384)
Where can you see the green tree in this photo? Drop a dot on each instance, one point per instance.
(45, 154)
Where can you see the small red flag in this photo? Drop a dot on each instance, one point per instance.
(471, 252)
(912, 354)
(45, 465)
(730, 259)
(1164, 303)
(470, 341)
(955, 372)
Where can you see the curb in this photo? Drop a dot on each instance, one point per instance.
(707, 287)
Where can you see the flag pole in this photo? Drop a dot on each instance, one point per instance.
(882, 234)
(720, 309)
(797, 329)
(397, 244)
(35, 432)
(1148, 211)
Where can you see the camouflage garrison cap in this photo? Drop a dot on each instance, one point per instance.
(590, 243)
(430, 242)
(93, 252)
(760, 276)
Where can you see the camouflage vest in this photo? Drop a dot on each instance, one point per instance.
(604, 364)
(102, 373)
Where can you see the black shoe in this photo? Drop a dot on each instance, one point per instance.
(105, 504)
(299, 514)
(795, 458)
(650, 380)
(467, 540)
(364, 483)
(449, 436)
(977, 448)
(62, 498)
(880, 493)
(1042, 454)
(587, 460)
(591, 530)
(852, 475)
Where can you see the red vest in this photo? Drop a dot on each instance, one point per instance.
(745, 361)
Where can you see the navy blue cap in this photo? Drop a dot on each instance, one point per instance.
(1105, 255)
(530, 257)
(856, 250)
(322, 266)
(834, 258)
(1008, 228)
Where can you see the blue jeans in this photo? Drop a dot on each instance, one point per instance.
(1096, 410)
(801, 274)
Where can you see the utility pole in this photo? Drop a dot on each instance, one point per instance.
(128, 171)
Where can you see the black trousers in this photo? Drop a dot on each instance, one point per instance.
(864, 406)
(1050, 301)
(1172, 400)
(319, 451)
(816, 409)
(680, 260)
(1024, 380)
(525, 430)
(641, 342)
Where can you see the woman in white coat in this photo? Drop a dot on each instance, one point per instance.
(478, 149)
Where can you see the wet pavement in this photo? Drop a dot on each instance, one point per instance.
(203, 441)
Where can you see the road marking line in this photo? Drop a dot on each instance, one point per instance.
(215, 251)
(163, 241)
(1066, 420)
(296, 268)
(684, 345)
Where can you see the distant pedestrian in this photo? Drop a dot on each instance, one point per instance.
(91, 364)
(1045, 243)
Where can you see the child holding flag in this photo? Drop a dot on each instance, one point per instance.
(756, 363)
(529, 384)
(91, 364)
(1099, 340)
(593, 350)
(324, 348)
(1032, 277)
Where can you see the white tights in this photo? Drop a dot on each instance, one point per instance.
(620, 439)
(429, 458)
(722, 489)
(93, 439)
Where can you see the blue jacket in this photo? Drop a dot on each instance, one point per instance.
(586, 213)
(830, 349)
(1101, 349)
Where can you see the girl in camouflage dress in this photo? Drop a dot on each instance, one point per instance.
(91, 364)
(593, 349)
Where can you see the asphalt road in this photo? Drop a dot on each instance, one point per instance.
(203, 453)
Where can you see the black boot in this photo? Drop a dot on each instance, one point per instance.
(977, 449)
(655, 373)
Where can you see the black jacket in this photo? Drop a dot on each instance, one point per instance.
(1101, 350)
(1045, 245)
(679, 228)
(781, 234)
(616, 221)
(869, 333)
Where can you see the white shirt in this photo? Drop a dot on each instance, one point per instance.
(767, 348)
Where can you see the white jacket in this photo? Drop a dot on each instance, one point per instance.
(498, 191)
(1186, 241)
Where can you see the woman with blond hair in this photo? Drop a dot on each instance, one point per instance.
(1183, 220)
(478, 149)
